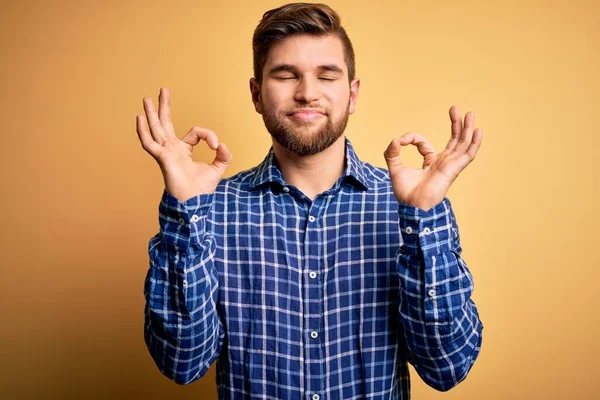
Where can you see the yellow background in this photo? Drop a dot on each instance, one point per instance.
(80, 196)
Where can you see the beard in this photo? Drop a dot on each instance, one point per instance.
(298, 137)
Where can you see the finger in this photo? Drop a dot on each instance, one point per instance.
(425, 148)
(164, 111)
(146, 139)
(467, 133)
(475, 143)
(155, 127)
(196, 134)
(456, 128)
(223, 157)
(392, 155)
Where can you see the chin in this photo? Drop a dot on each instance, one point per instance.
(307, 126)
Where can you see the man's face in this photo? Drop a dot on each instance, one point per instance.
(305, 97)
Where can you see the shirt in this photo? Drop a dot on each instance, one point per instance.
(309, 299)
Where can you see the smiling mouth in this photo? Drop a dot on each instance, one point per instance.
(306, 115)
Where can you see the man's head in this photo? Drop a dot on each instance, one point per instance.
(304, 84)
(298, 18)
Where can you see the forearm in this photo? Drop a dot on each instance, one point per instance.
(441, 323)
(182, 329)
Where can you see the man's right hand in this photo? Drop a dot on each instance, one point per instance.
(184, 178)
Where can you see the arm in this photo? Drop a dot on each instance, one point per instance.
(182, 330)
(442, 328)
(181, 327)
(441, 325)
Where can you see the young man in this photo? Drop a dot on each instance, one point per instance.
(313, 275)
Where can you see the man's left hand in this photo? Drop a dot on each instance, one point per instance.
(426, 187)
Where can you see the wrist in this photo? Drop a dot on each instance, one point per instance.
(424, 205)
(181, 192)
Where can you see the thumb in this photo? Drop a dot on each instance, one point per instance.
(392, 155)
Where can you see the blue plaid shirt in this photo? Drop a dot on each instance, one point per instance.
(312, 300)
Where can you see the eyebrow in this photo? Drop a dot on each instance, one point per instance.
(291, 68)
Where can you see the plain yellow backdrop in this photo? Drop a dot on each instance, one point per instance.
(80, 196)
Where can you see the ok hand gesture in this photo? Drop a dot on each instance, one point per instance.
(426, 187)
(184, 178)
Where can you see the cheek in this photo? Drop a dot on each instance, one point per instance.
(338, 95)
(272, 100)
(340, 101)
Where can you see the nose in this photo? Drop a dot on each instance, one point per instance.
(307, 91)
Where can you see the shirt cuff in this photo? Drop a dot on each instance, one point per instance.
(183, 223)
(429, 232)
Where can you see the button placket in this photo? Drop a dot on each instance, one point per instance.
(314, 299)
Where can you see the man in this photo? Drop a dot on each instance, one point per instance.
(313, 275)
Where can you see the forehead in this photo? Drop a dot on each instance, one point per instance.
(307, 52)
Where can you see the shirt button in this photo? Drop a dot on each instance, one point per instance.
(427, 231)
(314, 334)
(286, 189)
(316, 397)
(195, 218)
(181, 221)
(184, 282)
(432, 292)
(408, 230)
(311, 218)
(312, 274)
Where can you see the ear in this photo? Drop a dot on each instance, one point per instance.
(255, 92)
(354, 86)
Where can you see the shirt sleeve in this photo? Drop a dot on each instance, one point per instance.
(182, 330)
(442, 328)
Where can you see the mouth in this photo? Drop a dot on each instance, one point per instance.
(306, 114)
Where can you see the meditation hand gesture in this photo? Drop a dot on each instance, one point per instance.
(426, 187)
(184, 178)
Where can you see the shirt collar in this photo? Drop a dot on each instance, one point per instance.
(268, 171)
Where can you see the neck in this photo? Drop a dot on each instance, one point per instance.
(312, 174)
